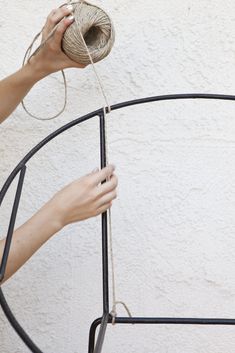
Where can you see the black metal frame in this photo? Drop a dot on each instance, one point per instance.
(95, 345)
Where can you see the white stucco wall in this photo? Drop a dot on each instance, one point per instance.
(173, 223)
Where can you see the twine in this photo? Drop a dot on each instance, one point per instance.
(95, 26)
(113, 312)
(92, 56)
(90, 36)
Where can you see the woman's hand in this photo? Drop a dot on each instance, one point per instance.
(50, 58)
(86, 197)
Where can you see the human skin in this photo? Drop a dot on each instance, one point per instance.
(83, 198)
(48, 60)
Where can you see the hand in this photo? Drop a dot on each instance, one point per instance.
(50, 58)
(86, 197)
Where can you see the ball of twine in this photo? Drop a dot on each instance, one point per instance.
(87, 40)
(97, 29)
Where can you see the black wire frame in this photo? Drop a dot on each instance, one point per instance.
(95, 344)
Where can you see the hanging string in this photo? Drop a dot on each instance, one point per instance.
(27, 57)
(113, 312)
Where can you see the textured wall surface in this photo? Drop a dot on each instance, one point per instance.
(173, 222)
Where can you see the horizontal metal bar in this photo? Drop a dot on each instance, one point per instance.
(148, 321)
(173, 321)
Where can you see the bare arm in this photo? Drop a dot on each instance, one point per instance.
(14, 88)
(82, 199)
(85, 197)
(28, 238)
(48, 60)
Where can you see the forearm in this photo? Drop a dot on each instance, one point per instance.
(83, 198)
(50, 58)
(28, 238)
(15, 87)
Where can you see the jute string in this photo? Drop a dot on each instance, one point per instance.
(110, 233)
(92, 59)
(92, 28)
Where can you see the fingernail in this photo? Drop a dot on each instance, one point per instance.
(71, 17)
(70, 7)
(95, 170)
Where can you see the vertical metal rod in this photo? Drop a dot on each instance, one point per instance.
(105, 267)
(12, 224)
(104, 224)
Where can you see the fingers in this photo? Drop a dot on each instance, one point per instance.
(103, 208)
(104, 193)
(63, 25)
(52, 35)
(107, 192)
(109, 186)
(107, 198)
(103, 174)
(55, 17)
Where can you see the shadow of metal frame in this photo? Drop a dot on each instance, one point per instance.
(95, 344)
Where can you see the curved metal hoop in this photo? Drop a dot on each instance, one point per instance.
(20, 170)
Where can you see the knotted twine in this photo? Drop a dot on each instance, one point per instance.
(94, 43)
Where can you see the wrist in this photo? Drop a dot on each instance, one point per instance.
(35, 70)
(58, 211)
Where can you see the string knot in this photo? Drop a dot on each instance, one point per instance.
(113, 312)
(108, 110)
